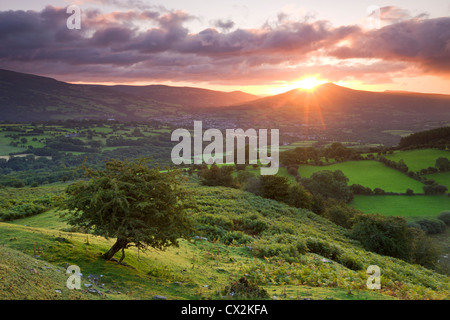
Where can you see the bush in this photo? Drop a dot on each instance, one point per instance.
(323, 248)
(434, 189)
(384, 235)
(243, 289)
(250, 225)
(351, 261)
(425, 250)
(445, 217)
(236, 237)
(341, 215)
(359, 189)
(378, 191)
(218, 176)
(299, 197)
(430, 226)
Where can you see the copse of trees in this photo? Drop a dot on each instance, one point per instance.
(329, 184)
(218, 176)
(400, 165)
(434, 189)
(337, 151)
(434, 138)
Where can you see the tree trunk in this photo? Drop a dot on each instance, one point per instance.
(119, 245)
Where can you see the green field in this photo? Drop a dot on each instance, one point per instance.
(370, 174)
(419, 159)
(401, 133)
(410, 207)
(298, 144)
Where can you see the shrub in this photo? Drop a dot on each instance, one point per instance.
(351, 261)
(236, 237)
(430, 226)
(341, 215)
(323, 248)
(285, 246)
(299, 197)
(434, 189)
(445, 217)
(359, 189)
(378, 191)
(275, 187)
(251, 225)
(384, 235)
(244, 289)
(425, 250)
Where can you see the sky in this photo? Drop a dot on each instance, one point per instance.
(258, 46)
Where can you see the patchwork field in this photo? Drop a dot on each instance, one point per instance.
(370, 174)
(419, 159)
(410, 207)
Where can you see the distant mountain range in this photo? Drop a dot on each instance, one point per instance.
(344, 112)
(340, 112)
(26, 97)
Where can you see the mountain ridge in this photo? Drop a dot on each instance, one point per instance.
(28, 97)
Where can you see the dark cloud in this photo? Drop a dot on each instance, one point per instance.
(422, 42)
(224, 25)
(115, 46)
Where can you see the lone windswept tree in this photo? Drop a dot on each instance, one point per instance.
(136, 205)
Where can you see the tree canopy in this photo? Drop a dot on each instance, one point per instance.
(138, 206)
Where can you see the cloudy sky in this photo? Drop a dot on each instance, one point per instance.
(258, 46)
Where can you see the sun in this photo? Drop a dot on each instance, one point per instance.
(309, 83)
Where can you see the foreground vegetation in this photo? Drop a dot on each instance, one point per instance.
(273, 245)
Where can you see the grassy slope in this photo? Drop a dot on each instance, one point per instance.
(201, 269)
(410, 207)
(419, 159)
(370, 174)
(26, 278)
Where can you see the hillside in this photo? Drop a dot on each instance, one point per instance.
(27, 278)
(26, 97)
(292, 253)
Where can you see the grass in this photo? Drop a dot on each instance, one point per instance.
(370, 174)
(401, 133)
(298, 144)
(419, 159)
(5, 148)
(201, 269)
(410, 207)
(27, 278)
(257, 172)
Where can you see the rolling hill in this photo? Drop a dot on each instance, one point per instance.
(330, 105)
(26, 97)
